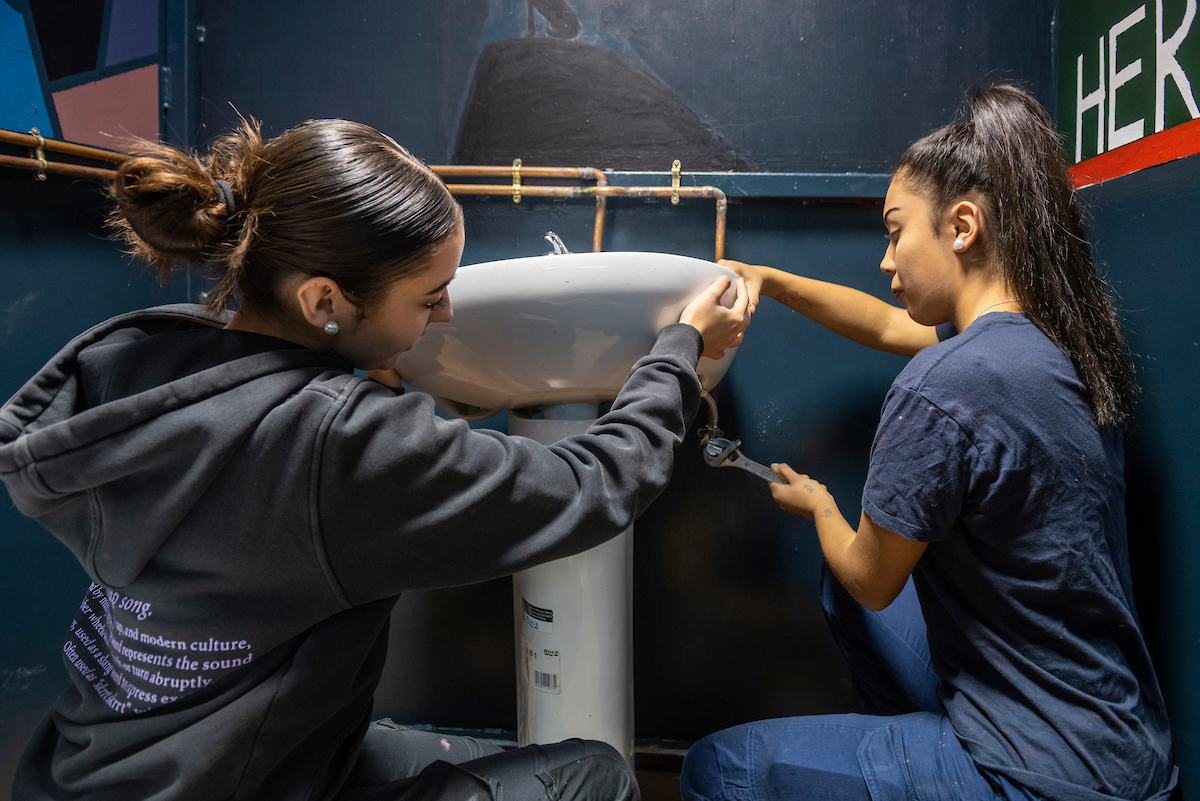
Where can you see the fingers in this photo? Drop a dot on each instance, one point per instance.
(717, 288)
(787, 472)
(751, 274)
(741, 302)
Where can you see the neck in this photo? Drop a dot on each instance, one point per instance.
(1002, 299)
(247, 319)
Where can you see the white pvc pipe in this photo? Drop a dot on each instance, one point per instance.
(574, 627)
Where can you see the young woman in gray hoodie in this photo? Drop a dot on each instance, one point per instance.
(249, 509)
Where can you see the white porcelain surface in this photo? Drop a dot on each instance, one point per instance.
(555, 329)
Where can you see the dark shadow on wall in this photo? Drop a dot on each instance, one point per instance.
(1144, 502)
(549, 101)
(725, 600)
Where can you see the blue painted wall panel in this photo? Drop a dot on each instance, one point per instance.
(132, 30)
(22, 105)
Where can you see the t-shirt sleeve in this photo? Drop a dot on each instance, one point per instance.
(920, 468)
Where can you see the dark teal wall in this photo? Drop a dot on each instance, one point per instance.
(59, 274)
(1143, 226)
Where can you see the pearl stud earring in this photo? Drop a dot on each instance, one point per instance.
(331, 328)
(959, 244)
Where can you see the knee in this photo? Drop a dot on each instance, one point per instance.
(701, 777)
(595, 770)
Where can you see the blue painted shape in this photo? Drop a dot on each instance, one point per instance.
(132, 30)
(22, 104)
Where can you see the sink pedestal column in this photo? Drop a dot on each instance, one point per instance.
(574, 626)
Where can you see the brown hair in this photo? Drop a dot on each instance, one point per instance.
(1008, 157)
(326, 198)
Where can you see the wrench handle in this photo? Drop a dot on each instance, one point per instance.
(750, 466)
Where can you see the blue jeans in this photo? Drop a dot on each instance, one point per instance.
(904, 750)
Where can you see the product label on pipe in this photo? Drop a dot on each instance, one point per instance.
(538, 618)
(542, 668)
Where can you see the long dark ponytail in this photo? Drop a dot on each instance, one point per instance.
(1008, 156)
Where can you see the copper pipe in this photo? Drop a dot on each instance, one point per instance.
(59, 167)
(462, 170)
(582, 173)
(610, 191)
(601, 191)
(66, 148)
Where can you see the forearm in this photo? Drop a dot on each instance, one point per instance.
(837, 538)
(870, 563)
(856, 315)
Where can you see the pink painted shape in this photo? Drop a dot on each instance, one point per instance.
(107, 112)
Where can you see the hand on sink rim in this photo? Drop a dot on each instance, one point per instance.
(720, 327)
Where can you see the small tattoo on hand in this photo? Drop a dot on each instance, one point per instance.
(809, 487)
(827, 513)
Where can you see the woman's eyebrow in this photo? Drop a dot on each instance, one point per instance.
(886, 213)
(440, 288)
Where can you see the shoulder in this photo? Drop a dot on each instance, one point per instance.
(998, 354)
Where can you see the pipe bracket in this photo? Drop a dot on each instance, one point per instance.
(39, 153)
(516, 173)
(675, 165)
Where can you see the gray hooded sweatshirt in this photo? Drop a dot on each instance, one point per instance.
(248, 511)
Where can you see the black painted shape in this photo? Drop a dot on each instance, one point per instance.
(68, 32)
(564, 103)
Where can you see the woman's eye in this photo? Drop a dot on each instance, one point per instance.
(439, 304)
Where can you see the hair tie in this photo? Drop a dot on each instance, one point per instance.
(227, 195)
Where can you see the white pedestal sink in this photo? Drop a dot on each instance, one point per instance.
(557, 335)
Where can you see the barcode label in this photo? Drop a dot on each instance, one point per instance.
(543, 668)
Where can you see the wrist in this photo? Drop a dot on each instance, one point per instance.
(771, 285)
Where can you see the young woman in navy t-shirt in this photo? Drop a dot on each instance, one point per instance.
(1003, 658)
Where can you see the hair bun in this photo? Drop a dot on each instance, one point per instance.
(169, 206)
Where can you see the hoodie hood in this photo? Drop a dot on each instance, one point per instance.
(123, 429)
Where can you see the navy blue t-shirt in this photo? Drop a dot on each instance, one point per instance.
(988, 451)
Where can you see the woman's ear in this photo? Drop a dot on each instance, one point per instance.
(320, 299)
(966, 220)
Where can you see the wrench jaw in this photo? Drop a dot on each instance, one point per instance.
(721, 452)
(717, 451)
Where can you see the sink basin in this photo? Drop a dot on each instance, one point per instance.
(556, 329)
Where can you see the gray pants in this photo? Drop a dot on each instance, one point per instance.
(399, 764)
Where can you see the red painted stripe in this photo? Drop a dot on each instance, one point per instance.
(1173, 143)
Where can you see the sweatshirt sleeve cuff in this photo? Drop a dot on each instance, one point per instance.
(679, 339)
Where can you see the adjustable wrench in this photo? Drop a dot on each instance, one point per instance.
(721, 452)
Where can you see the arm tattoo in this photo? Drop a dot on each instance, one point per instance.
(795, 300)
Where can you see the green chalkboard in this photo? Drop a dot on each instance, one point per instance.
(1126, 70)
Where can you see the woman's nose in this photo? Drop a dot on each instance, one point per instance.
(888, 264)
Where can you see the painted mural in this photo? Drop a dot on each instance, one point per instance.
(563, 91)
(85, 71)
(719, 84)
